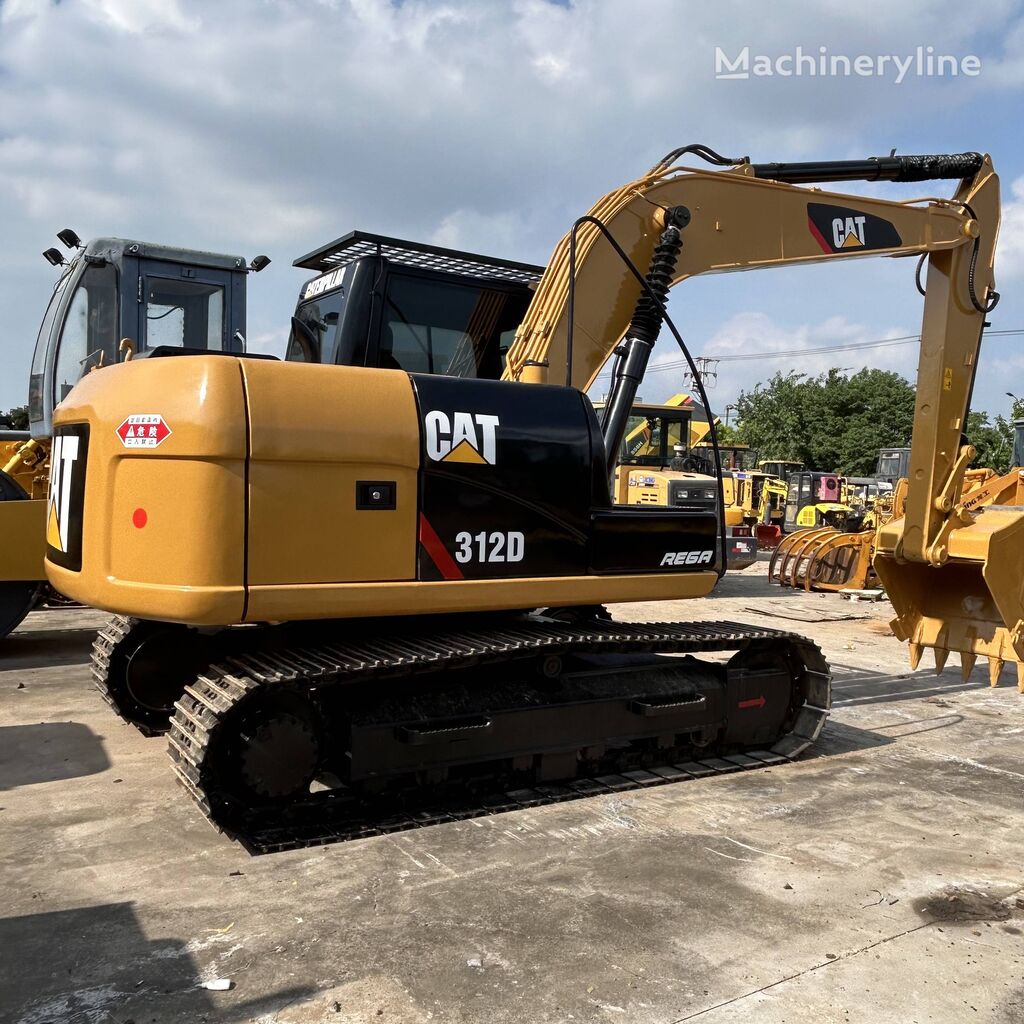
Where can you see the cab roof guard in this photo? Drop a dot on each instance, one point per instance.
(359, 244)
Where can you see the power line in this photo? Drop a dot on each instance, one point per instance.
(796, 353)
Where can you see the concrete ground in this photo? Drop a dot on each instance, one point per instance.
(878, 880)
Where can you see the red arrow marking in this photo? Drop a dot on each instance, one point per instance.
(757, 702)
(819, 237)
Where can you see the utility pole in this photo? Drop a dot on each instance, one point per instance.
(707, 372)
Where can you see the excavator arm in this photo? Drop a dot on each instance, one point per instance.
(753, 216)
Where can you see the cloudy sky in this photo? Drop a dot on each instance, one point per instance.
(245, 126)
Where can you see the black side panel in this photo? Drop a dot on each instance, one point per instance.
(66, 503)
(653, 540)
(506, 481)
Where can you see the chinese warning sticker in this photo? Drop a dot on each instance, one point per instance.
(143, 430)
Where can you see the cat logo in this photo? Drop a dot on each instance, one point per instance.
(64, 502)
(848, 232)
(466, 437)
(840, 229)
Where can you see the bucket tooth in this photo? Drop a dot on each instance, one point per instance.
(995, 666)
(1020, 677)
(967, 661)
(915, 651)
(941, 654)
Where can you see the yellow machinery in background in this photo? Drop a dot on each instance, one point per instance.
(770, 510)
(110, 288)
(663, 469)
(830, 559)
(389, 584)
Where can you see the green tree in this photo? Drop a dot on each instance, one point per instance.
(770, 418)
(993, 439)
(828, 422)
(15, 419)
(726, 434)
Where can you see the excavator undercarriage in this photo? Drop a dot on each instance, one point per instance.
(344, 733)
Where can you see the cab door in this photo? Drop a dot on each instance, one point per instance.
(187, 306)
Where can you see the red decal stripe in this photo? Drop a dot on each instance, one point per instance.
(825, 247)
(437, 551)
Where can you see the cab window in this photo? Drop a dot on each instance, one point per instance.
(889, 466)
(315, 328)
(184, 314)
(432, 326)
(89, 335)
(36, 398)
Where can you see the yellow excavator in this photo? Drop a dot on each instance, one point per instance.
(106, 290)
(390, 585)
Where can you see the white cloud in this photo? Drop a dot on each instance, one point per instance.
(755, 333)
(1010, 250)
(276, 126)
(137, 16)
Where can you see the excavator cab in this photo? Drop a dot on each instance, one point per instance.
(154, 296)
(892, 464)
(397, 304)
(779, 468)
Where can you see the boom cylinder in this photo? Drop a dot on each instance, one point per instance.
(632, 356)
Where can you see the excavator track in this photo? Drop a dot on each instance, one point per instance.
(222, 729)
(140, 668)
(109, 640)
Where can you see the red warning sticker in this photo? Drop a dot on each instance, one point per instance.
(143, 430)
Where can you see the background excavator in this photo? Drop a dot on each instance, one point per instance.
(663, 468)
(435, 550)
(111, 288)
